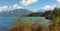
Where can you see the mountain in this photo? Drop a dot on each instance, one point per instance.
(38, 13)
(48, 12)
(15, 12)
(41, 11)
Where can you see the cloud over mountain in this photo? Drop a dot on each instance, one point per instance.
(48, 7)
(2, 8)
(5, 8)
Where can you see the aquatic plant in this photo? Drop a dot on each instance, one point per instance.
(27, 27)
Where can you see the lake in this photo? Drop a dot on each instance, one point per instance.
(7, 22)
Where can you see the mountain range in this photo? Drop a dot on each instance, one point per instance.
(41, 11)
(16, 12)
(24, 12)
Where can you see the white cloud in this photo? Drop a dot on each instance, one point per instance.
(58, 1)
(16, 6)
(19, 7)
(0, 9)
(27, 2)
(3, 8)
(48, 7)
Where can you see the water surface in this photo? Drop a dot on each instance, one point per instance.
(7, 22)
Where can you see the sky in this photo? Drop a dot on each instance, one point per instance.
(32, 5)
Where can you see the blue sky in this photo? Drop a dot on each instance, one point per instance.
(32, 5)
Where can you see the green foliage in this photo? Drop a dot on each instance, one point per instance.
(27, 20)
(55, 16)
(24, 20)
(19, 20)
(37, 20)
(56, 11)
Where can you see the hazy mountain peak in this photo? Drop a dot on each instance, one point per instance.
(15, 12)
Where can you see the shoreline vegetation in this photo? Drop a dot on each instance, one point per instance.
(51, 15)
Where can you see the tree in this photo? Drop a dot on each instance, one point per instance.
(55, 16)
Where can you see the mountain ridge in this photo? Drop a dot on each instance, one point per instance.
(15, 12)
